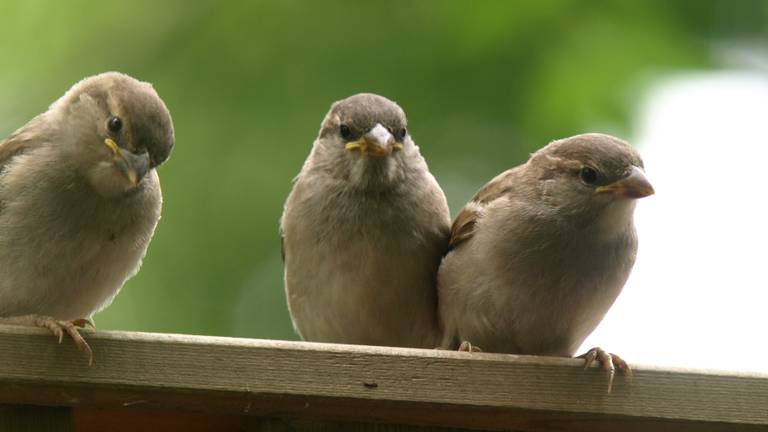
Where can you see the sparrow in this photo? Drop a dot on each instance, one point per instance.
(363, 232)
(541, 252)
(79, 201)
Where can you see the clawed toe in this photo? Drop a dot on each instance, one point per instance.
(466, 346)
(71, 328)
(609, 362)
(83, 323)
(58, 328)
(621, 365)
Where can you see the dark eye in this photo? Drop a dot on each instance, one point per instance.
(588, 175)
(345, 132)
(114, 124)
(400, 135)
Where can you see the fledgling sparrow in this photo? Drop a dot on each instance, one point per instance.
(364, 230)
(79, 201)
(542, 251)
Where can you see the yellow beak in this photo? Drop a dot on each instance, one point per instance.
(133, 167)
(368, 148)
(112, 146)
(378, 142)
(633, 186)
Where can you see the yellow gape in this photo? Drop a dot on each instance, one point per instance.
(359, 144)
(112, 146)
(374, 149)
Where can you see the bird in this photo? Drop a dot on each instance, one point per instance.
(364, 229)
(541, 252)
(79, 202)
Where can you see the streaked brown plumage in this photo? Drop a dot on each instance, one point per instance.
(364, 229)
(79, 201)
(543, 250)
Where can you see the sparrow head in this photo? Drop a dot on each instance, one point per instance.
(116, 129)
(366, 126)
(363, 138)
(589, 173)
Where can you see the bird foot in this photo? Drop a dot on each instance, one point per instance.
(468, 347)
(58, 328)
(609, 361)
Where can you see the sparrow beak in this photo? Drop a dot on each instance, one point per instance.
(633, 186)
(377, 143)
(134, 167)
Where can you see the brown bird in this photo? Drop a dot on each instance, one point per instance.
(79, 202)
(542, 251)
(364, 230)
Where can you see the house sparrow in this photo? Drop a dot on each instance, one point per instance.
(79, 202)
(543, 250)
(364, 230)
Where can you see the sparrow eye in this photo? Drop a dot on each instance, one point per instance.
(400, 135)
(114, 124)
(588, 175)
(345, 132)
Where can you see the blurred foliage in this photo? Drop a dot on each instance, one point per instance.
(484, 83)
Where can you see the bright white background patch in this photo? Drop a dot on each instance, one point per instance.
(698, 295)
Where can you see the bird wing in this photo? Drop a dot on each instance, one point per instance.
(463, 227)
(19, 141)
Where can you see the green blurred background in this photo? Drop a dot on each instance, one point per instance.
(484, 83)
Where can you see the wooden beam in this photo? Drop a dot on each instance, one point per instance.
(299, 381)
(27, 418)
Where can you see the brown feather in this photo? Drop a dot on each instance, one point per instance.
(463, 227)
(19, 141)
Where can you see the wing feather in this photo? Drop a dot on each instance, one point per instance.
(21, 140)
(463, 227)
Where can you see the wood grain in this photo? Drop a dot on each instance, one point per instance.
(326, 383)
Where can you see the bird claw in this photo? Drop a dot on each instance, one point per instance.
(466, 346)
(83, 323)
(58, 328)
(609, 362)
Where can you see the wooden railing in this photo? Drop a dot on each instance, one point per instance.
(147, 382)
